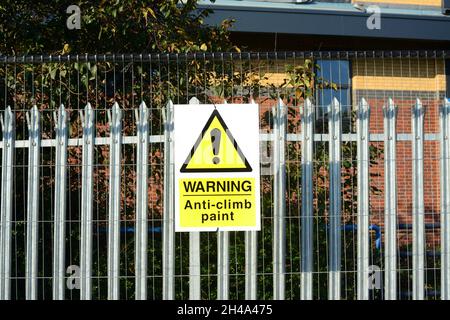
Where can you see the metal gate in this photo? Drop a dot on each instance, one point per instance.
(355, 171)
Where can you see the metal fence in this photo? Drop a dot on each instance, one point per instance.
(354, 185)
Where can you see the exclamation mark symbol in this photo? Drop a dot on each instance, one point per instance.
(215, 141)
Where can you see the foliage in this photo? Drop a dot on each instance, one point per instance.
(304, 81)
(158, 26)
(138, 26)
(135, 26)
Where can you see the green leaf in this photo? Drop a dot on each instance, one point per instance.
(84, 80)
(53, 73)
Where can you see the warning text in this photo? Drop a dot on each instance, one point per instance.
(217, 202)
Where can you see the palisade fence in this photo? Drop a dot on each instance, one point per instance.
(354, 179)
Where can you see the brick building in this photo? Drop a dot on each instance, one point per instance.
(338, 25)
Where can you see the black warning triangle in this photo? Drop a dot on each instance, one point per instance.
(216, 150)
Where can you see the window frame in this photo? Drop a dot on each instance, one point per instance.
(447, 78)
(323, 115)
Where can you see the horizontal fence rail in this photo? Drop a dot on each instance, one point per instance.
(263, 137)
(149, 57)
(354, 178)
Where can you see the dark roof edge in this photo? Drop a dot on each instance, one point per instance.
(400, 24)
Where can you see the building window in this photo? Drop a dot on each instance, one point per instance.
(447, 77)
(337, 72)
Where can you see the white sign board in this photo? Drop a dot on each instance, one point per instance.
(217, 184)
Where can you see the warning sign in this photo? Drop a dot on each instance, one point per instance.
(213, 202)
(215, 150)
(217, 167)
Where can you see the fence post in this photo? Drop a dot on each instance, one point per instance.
(307, 122)
(194, 266)
(194, 255)
(445, 199)
(363, 161)
(223, 268)
(168, 219)
(115, 117)
(251, 260)
(418, 202)
(251, 265)
(334, 127)
(390, 201)
(8, 127)
(141, 236)
(279, 230)
(222, 265)
(34, 148)
(59, 233)
(87, 119)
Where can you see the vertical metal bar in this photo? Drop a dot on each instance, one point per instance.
(279, 232)
(276, 161)
(418, 204)
(8, 124)
(334, 275)
(445, 200)
(115, 117)
(251, 264)
(307, 216)
(141, 202)
(34, 148)
(194, 266)
(222, 265)
(168, 219)
(363, 161)
(87, 165)
(251, 258)
(59, 229)
(194, 255)
(390, 202)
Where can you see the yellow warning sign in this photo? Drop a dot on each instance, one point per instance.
(217, 202)
(216, 161)
(216, 150)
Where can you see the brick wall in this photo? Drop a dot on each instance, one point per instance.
(399, 74)
(404, 81)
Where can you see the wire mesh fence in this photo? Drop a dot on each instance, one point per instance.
(354, 177)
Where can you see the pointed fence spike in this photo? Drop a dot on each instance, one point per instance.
(194, 100)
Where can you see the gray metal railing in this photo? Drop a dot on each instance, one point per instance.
(89, 175)
(143, 139)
